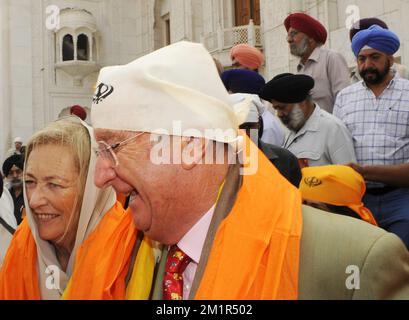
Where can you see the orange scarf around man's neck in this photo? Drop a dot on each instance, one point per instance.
(256, 251)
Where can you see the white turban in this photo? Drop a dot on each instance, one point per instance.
(177, 85)
(256, 108)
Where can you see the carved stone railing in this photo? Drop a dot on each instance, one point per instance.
(224, 39)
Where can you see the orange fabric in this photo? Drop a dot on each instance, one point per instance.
(336, 185)
(121, 198)
(18, 276)
(256, 250)
(23, 213)
(103, 260)
(248, 56)
(101, 265)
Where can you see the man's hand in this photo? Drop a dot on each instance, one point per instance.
(357, 168)
(391, 175)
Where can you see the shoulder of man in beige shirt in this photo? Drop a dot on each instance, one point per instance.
(331, 74)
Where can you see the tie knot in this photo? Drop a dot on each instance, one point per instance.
(177, 260)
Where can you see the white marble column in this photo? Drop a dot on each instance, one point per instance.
(404, 12)
(5, 107)
(274, 12)
(21, 67)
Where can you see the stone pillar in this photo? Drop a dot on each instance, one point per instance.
(5, 107)
(21, 67)
(404, 12)
(251, 33)
(278, 59)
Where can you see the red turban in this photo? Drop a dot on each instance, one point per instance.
(248, 56)
(79, 112)
(308, 25)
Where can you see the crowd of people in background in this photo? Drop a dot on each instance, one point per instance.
(340, 140)
(337, 117)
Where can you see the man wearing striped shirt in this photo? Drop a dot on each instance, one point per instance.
(376, 111)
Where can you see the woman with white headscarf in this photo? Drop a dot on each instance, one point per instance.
(68, 221)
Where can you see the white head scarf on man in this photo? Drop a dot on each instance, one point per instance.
(95, 204)
(176, 90)
(7, 215)
(256, 108)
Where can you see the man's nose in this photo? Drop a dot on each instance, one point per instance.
(14, 175)
(368, 64)
(104, 173)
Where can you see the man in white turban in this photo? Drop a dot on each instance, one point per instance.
(226, 235)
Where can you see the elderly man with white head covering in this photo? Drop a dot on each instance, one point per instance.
(18, 144)
(161, 122)
(375, 110)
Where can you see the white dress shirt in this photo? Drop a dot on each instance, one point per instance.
(192, 244)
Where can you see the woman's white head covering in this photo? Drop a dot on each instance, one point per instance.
(95, 204)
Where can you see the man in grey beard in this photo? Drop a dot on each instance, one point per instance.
(13, 171)
(316, 137)
(306, 37)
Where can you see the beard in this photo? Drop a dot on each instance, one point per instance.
(374, 76)
(295, 120)
(300, 49)
(15, 183)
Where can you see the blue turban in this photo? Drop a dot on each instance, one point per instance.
(243, 81)
(376, 38)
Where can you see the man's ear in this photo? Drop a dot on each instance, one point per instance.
(312, 42)
(193, 152)
(391, 60)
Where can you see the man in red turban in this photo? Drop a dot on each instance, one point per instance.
(308, 25)
(79, 112)
(306, 37)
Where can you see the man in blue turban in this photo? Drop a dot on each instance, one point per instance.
(378, 38)
(364, 24)
(374, 49)
(375, 111)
